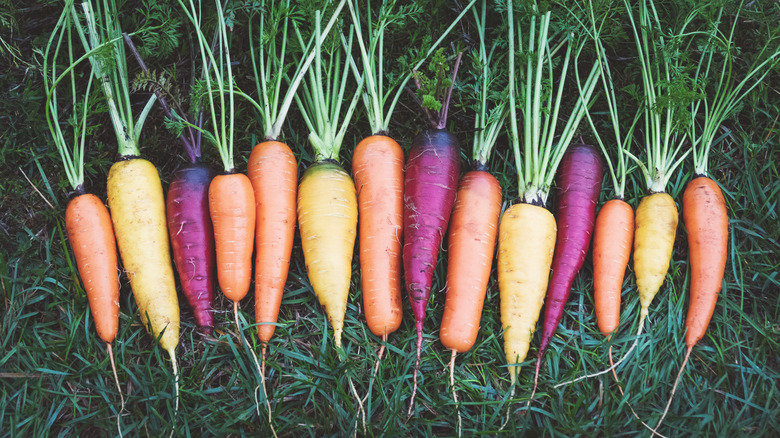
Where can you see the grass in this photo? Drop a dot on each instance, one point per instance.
(55, 378)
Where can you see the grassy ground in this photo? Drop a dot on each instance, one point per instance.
(55, 377)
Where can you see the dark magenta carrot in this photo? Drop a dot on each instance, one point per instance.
(430, 182)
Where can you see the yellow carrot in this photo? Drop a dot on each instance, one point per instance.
(656, 226)
(137, 205)
(524, 260)
(327, 217)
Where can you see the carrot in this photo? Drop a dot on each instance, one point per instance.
(472, 239)
(327, 216)
(527, 231)
(273, 172)
(135, 194)
(87, 221)
(231, 204)
(612, 238)
(92, 238)
(704, 207)
(378, 167)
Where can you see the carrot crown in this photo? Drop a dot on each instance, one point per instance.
(324, 90)
(101, 29)
(489, 92)
(722, 101)
(541, 97)
(375, 96)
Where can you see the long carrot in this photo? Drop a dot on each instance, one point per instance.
(135, 194)
(87, 221)
(704, 207)
(273, 171)
(378, 167)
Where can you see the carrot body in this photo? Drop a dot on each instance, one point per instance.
(273, 171)
(656, 227)
(526, 240)
(327, 217)
(91, 236)
(378, 167)
(706, 220)
(472, 241)
(612, 238)
(232, 208)
(135, 197)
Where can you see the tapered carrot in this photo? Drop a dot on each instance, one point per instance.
(612, 239)
(377, 165)
(472, 241)
(232, 208)
(273, 171)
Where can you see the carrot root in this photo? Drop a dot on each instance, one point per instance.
(175, 367)
(536, 379)
(674, 388)
(454, 392)
(260, 369)
(611, 363)
(118, 387)
(416, 368)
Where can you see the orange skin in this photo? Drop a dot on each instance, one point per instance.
(613, 236)
(91, 236)
(231, 204)
(378, 167)
(273, 171)
(706, 220)
(472, 241)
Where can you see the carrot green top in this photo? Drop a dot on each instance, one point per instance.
(666, 94)
(535, 86)
(101, 29)
(324, 90)
(489, 91)
(725, 94)
(72, 156)
(375, 95)
(270, 66)
(217, 78)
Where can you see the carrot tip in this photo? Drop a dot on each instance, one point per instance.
(416, 368)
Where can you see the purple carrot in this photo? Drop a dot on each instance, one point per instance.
(430, 184)
(187, 211)
(579, 184)
(192, 237)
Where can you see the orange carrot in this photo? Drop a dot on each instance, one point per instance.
(91, 236)
(706, 220)
(231, 204)
(612, 238)
(378, 166)
(273, 172)
(472, 241)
